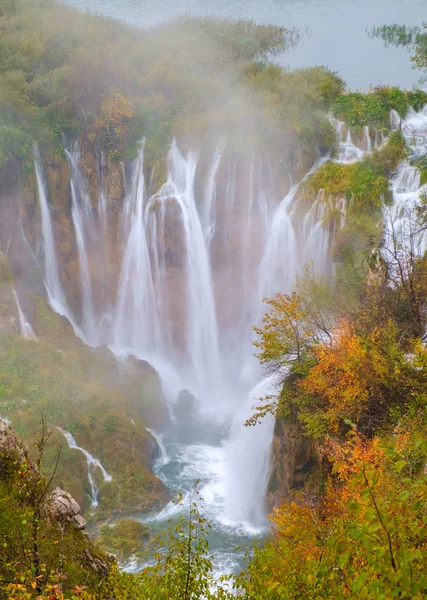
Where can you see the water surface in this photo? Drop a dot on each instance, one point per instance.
(333, 31)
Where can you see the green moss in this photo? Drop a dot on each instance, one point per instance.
(364, 182)
(365, 187)
(123, 538)
(88, 393)
(6, 275)
(359, 182)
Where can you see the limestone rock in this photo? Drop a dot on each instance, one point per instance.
(9, 444)
(295, 459)
(96, 564)
(62, 507)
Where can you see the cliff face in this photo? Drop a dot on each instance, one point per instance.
(295, 462)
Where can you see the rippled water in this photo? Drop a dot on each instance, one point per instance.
(333, 31)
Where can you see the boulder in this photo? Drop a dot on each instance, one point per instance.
(62, 507)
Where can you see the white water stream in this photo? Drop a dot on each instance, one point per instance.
(92, 464)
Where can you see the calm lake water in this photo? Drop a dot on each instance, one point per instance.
(333, 32)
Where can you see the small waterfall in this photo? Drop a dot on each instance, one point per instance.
(315, 237)
(395, 120)
(281, 260)
(162, 459)
(92, 463)
(367, 143)
(81, 212)
(279, 264)
(348, 151)
(26, 330)
(52, 282)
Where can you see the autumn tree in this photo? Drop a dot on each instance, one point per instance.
(112, 127)
(366, 539)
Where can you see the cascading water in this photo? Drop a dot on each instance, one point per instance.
(191, 319)
(210, 193)
(248, 460)
(82, 218)
(92, 463)
(52, 281)
(406, 184)
(25, 328)
(201, 333)
(136, 323)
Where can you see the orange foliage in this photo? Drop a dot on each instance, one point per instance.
(342, 374)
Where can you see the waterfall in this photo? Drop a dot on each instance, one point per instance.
(162, 459)
(81, 212)
(247, 460)
(201, 331)
(168, 299)
(136, 321)
(210, 193)
(52, 282)
(25, 328)
(92, 463)
(367, 143)
(406, 184)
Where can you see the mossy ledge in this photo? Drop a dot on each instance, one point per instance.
(106, 405)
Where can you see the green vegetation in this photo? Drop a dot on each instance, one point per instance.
(124, 538)
(413, 38)
(37, 541)
(85, 392)
(62, 72)
(373, 109)
(364, 186)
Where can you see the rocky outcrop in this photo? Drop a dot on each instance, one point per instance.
(294, 462)
(62, 507)
(10, 447)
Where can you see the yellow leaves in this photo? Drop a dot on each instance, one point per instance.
(342, 373)
(112, 127)
(285, 334)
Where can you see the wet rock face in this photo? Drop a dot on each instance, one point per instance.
(294, 461)
(167, 229)
(62, 507)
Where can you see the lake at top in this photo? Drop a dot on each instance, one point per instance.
(333, 32)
